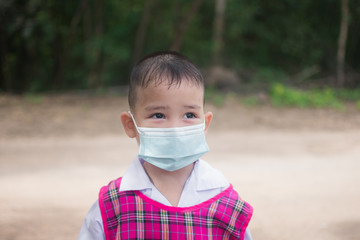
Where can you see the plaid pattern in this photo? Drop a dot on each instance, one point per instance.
(132, 215)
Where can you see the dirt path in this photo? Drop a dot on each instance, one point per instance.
(298, 168)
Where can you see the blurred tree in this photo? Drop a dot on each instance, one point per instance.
(181, 29)
(95, 77)
(342, 42)
(3, 48)
(63, 47)
(20, 39)
(51, 45)
(218, 31)
(141, 31)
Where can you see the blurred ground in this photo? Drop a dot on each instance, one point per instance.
(298, 168)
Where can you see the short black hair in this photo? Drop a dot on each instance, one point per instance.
(159, 67)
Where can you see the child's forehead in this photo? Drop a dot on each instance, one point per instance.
(165, 84)
(171, 81)
(164, 91)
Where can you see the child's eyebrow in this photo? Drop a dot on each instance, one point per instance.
(155, 107)
(195, 106)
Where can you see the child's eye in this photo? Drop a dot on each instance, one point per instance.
(158, 115)
(189, 115)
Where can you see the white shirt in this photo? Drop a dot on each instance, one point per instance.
(203, 183)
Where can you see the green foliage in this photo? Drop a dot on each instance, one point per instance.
(349, 94)
(52, 45)
(268, 75)
(352, 95)
(34, 98)
(281, 95)
(250, 101)
(282, 33)
(358, 105)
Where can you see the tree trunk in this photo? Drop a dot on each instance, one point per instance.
(3, 52)
(141, 31)
(218, 31)
(342, 43)
(87, 24)
(176, 44)
(59, 75)
(96, 76)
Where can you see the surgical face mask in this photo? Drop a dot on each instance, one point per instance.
(172, 148)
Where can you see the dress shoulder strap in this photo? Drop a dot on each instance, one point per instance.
(108, 197)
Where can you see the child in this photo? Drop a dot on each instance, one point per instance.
(168, 192)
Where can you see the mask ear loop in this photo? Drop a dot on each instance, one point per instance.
(134, 122)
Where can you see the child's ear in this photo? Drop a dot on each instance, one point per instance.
(208, 118)
(128, 124)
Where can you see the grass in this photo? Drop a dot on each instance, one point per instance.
(282, 95)
(213, 95)
(34, 98)
(358, 105)
(349, 94)
(250, 101)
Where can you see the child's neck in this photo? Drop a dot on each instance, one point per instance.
(170, 184)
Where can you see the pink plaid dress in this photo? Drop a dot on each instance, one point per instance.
(132, 215)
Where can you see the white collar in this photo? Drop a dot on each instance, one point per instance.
(203, 178)
(135, 178)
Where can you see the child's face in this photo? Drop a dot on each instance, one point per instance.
(164, 107)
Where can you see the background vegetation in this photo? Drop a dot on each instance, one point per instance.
(90, 44)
